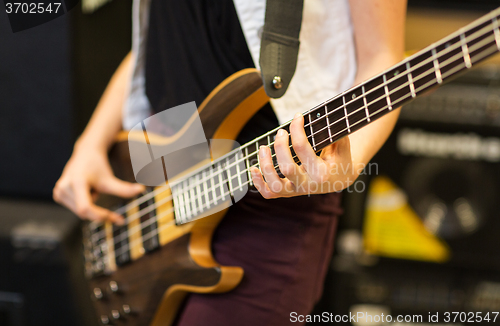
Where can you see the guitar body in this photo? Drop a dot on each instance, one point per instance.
(150, 287)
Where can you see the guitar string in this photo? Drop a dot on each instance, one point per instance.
(430, 83)
(404, 74)
(423, 75)
(445, 51)
(152, 233)
(192, 201)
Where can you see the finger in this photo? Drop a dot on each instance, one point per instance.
(59, 191)
(120, 188)
(343, 149)
(343, 156)
(85, 208)
(67, 200)
(260, 184)
(301, 146)
(287, 165)
(273, 180)
(63, 194)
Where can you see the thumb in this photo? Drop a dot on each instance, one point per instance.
(120, 188)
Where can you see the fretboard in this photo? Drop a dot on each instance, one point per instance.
(227, 178)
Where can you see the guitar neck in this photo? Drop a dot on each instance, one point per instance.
(344, 114)
(400, 84)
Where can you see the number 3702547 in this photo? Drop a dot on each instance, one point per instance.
(32, 8)
(470, 317)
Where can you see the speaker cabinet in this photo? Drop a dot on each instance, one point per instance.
(42, 279)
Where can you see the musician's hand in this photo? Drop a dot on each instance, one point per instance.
(87, 174)
(332, 171)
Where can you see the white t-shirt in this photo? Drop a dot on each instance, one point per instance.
(326, 63)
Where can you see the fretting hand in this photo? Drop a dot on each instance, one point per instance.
(332, 171)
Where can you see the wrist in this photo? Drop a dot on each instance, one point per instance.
(86, 144)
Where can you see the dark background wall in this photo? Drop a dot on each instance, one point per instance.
(35, 106)
(51, 78)
(482, 5)
(100, 41)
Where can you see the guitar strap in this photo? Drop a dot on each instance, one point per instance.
(280, 44)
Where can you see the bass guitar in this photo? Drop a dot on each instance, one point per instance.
(140, 272)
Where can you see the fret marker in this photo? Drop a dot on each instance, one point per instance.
(447, 45)
(318, 115)
(238, 171)
(465, 50)
(345, 114)
(198, 190)
(181, 204)
(328, 125)
(205, 188)
(247, 163)
(389, 105)
(187, 199)
(497, 32)
(439, 78)
(212, 185)
(176, 205)
(366, 105)
(192, 193)
(353, 96)
(396, 73)
(312, 132)
(229, 177)
(410, 80)
(221, 184)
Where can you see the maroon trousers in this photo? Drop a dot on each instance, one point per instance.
(284, 245)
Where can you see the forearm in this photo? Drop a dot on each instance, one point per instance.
(106, 121)
(88, 171)
(379, 38)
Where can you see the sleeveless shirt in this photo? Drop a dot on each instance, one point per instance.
(326, 62)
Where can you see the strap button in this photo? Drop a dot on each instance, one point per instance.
(277, 83)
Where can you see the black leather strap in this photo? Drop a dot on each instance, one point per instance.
(280, 44)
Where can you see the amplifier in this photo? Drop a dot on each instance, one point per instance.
(42, 278)
(423, 236)
(413, 294)
(433, 194)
